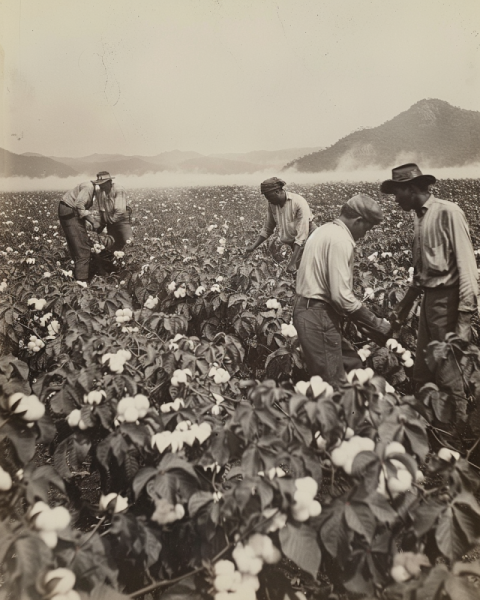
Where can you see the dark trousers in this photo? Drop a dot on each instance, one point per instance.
(118, 233)
(326, 352)
(75, 231)
(438, 316)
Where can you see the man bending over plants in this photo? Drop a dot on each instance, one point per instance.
(325, 293)
(291, 215)
(115, 214)
(445, 271)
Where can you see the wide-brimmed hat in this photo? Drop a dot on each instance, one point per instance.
(102, 178)
(405, 174)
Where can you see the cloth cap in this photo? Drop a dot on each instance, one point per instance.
(367, 208)
(405, 174)
(103, 177)
(271, 185)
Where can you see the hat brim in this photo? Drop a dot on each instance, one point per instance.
(388, 186)
(101, 181)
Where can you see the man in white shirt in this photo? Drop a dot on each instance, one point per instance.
(290, 214)
(114, 212)
(325, 292)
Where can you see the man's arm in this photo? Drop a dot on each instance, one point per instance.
(303, 216)
(292, 265)
(343, 298)
(84, 197)
(268, 229)
(468, 273)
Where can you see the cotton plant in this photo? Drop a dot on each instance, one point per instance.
(27, 407)
(49, 521)
(35, 344)
(112, 502)
(404, 355)
(185, 433)
(288, 330)
(316, 386)
(36, 303)
(132, 408)
(116, 361)
(219, 374)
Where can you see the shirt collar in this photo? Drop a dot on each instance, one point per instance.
(342, 224)
(421, 211)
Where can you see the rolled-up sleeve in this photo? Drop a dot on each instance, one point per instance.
(269, 225)
(83, 200)
(466, 263)
(303, 216)
(340, 276)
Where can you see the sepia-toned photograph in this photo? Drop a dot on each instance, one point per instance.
(239, 300)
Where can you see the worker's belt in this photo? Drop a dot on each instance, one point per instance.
(303, 302)
(67, 217)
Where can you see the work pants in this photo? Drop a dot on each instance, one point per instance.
(438, 316)
(327, 353)
(75, 231)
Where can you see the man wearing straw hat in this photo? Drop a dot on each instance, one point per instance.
(114, 213)
(291, 215)
(445, 271)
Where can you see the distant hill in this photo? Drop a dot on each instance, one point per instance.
(31, 165)
(218, 166)
(170, 159)
(116, 164)
(432, 133)
(269, 158)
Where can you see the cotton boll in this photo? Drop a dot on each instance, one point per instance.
(400, 574)
(394, 448)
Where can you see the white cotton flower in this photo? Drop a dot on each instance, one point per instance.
(47, 274)
(215, 288)
(221, 249)
(200, 290)
(448, 455)
(120, 503)
(123, 315)
(180, 376)
(181, 292)
(5, 480)
(273, 303)
(172, 286)
(151, 302)
(74, 417)
(43, 320)
(94, 397)
(288, 330)
(30, 261)
(37, 303)
(53, 328)
(29, 408)
(369, 294)
(118, 254)
(63, 579)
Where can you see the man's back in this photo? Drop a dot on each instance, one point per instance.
(326, 270)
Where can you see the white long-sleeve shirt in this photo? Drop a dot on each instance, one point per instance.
(292, 220)
(326, 270)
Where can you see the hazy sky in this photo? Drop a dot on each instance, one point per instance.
(143, 77)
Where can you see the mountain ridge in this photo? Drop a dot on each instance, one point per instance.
(431, 132)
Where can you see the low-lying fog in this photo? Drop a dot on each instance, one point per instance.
(175, 179)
